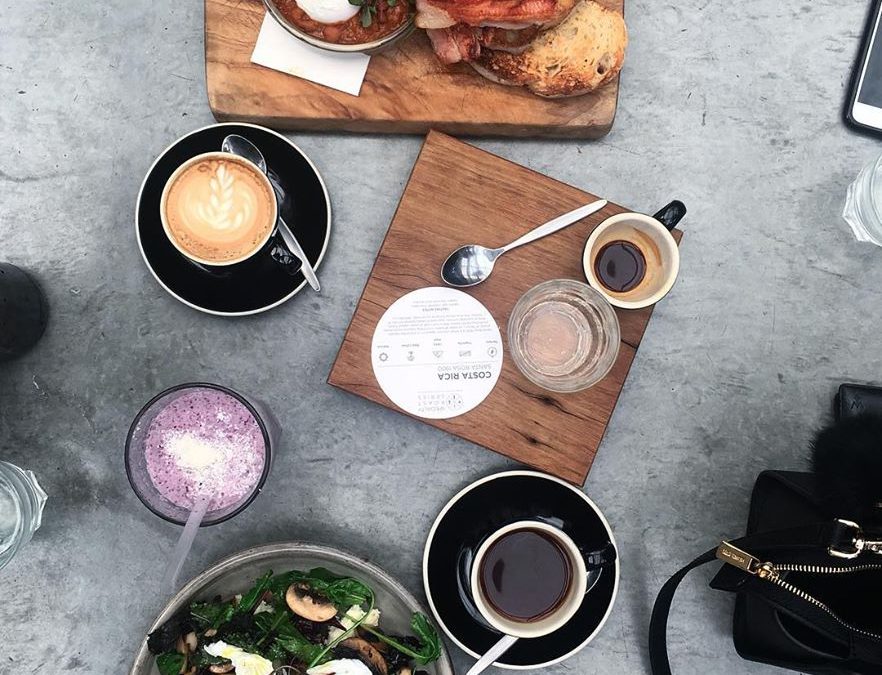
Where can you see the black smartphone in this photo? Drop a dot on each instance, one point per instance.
(864, 106)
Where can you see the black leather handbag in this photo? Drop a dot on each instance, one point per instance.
(808, 584)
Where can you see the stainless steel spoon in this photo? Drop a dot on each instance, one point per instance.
(506, 642)
(490, 656)
(472, 264)
(239, 145)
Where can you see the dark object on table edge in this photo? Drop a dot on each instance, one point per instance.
(806, 600)
(23, 312)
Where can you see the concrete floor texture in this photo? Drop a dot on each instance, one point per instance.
(735, 108)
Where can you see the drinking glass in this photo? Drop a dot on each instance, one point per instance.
(21, 509)
(863, 204)
(136, 461)
(563, 335)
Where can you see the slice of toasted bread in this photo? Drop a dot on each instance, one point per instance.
(583, 52)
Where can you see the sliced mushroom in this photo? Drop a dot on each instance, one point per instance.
(303, 602)
(368, 654)
(211, 632)
(221, 668)
(191, 641)
(181, 646)
(406, 670)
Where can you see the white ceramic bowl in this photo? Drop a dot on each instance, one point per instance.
(373, 47)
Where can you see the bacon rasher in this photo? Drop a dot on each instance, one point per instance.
(511, 14)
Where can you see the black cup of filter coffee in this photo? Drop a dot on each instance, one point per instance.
(530, 578)
(23, 312)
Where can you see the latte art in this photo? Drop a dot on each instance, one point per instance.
(230, 204)
(218, 208)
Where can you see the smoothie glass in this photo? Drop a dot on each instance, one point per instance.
(142, 435)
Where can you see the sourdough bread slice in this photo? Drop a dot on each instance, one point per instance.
(575, 57)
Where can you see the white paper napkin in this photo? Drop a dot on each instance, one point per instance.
(279, 50)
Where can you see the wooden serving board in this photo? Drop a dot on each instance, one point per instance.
(459, 194)
(406, 90)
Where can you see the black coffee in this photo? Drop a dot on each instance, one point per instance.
(620, 266)
(525, 575)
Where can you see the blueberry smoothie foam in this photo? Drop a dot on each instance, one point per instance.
(205, 444)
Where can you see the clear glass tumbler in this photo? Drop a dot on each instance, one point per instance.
(863, 204)
(563, 335)
(21, 509)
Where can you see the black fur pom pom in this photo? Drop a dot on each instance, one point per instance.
(847, 460)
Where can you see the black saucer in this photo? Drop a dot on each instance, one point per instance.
(479, 510)
(272, 275)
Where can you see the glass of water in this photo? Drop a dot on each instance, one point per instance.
(863, 204)
(21, 509)
(563, 335)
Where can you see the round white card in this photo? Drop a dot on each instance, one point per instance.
(437, 353)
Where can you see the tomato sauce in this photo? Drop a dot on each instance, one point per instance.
(349, 32)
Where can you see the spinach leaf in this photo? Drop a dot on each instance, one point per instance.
(300, 648)
(342, 591)
(211, 614)
(252, 597)
(270, 622)
(202, 659)
(286, 638)
(430, 645)
(170, 663)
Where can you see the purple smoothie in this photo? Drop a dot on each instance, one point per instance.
(205, 444)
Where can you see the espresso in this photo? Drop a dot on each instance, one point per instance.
(219, 209)
(620, 266)
(525, 575)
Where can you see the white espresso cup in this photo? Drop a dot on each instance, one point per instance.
(565, 608)
(652, 237)
(230, 191)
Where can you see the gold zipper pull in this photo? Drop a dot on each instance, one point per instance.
(734, 556)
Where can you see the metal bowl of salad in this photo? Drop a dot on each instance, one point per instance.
(292, 609)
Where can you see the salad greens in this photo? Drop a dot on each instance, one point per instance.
(281, 618)
(171, 663)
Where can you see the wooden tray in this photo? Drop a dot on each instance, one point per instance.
(406, 90)
(459, 194)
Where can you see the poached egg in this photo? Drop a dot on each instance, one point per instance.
(328, 11)
(243, 662)
(340, 667)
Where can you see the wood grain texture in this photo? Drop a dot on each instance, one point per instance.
(458, 194)
(406, 90)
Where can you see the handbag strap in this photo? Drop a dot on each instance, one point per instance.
(658, 624)
(806, 537)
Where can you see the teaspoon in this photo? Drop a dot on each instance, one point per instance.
(241, 146)
(472, 264)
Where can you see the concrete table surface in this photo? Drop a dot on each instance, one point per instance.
(732, 107)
